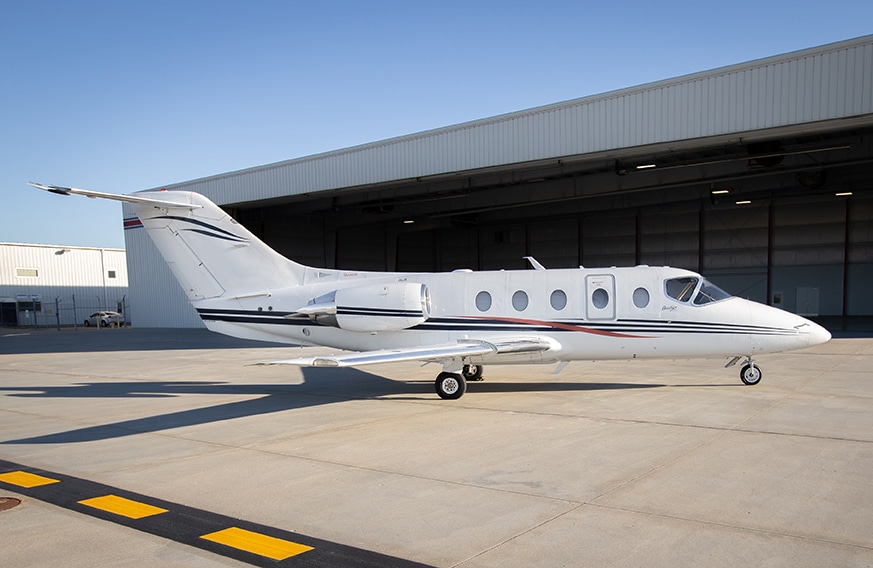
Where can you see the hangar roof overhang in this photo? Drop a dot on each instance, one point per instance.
(784, 115)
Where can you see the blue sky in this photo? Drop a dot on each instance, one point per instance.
(124, 96)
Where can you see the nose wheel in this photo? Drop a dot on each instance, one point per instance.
(751, 374)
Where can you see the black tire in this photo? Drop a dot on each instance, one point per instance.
(102, 323)
(87, 323)
(472, 372)
(450, 386)
(751, 375)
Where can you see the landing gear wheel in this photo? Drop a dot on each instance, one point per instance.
(751, 374)
(472, 372)
(450, 386)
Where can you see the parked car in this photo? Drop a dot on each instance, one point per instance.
(105, 319)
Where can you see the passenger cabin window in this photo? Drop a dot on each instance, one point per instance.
(641, 298)
(483, 301)
(558, 300)
(683, 290)
(519, 301)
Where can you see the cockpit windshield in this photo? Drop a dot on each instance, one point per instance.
(692, 289)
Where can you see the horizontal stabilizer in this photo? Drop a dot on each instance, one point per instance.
(115, 197)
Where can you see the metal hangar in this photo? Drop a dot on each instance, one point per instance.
(758, 175)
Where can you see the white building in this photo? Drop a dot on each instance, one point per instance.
(48, 285)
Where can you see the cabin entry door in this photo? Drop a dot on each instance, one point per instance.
(600, 296)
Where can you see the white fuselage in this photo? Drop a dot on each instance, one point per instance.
(614, 313)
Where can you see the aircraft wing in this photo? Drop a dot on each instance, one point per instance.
(60, 190)
(430, 353)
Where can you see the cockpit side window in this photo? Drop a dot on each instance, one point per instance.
(709, 292)
(681, 289)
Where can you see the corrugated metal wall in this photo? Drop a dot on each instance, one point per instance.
(95, 279)
(805, 87)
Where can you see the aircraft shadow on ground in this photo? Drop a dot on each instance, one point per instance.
(320, 387)
(23, 341)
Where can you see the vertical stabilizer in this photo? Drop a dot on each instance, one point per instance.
(209, 252)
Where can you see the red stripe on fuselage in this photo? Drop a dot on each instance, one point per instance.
(564, 326)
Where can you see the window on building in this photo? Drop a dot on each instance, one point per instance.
(111, 274)
(27, 272)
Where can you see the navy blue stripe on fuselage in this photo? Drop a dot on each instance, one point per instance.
(380, 312)
(641, 328)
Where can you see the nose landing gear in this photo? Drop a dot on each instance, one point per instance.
(751, 373)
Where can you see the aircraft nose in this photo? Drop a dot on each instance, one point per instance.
(818, 334)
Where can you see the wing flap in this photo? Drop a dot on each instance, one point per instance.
(430, 353)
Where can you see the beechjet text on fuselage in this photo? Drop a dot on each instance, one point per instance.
(461, 320)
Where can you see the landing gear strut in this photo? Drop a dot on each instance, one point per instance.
(450, 386)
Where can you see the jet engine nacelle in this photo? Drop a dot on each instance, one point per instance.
(372, 307)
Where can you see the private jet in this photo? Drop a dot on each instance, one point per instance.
(462, 320)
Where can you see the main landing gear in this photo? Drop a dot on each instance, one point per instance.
(452, 386)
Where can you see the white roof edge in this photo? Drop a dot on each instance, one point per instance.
(793, 55)
(69, 247)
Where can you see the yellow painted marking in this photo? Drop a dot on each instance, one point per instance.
(24, 479)
(123, 507)
(257, 543)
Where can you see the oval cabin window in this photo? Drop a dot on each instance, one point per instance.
(558, 300)
(519, 301)
(600, 298)
(483, 301)
(641, 298)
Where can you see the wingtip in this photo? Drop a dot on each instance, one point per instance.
(52, 188)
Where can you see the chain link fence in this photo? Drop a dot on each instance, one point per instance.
(64, 311)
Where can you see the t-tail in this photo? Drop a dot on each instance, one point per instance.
(208, 251)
